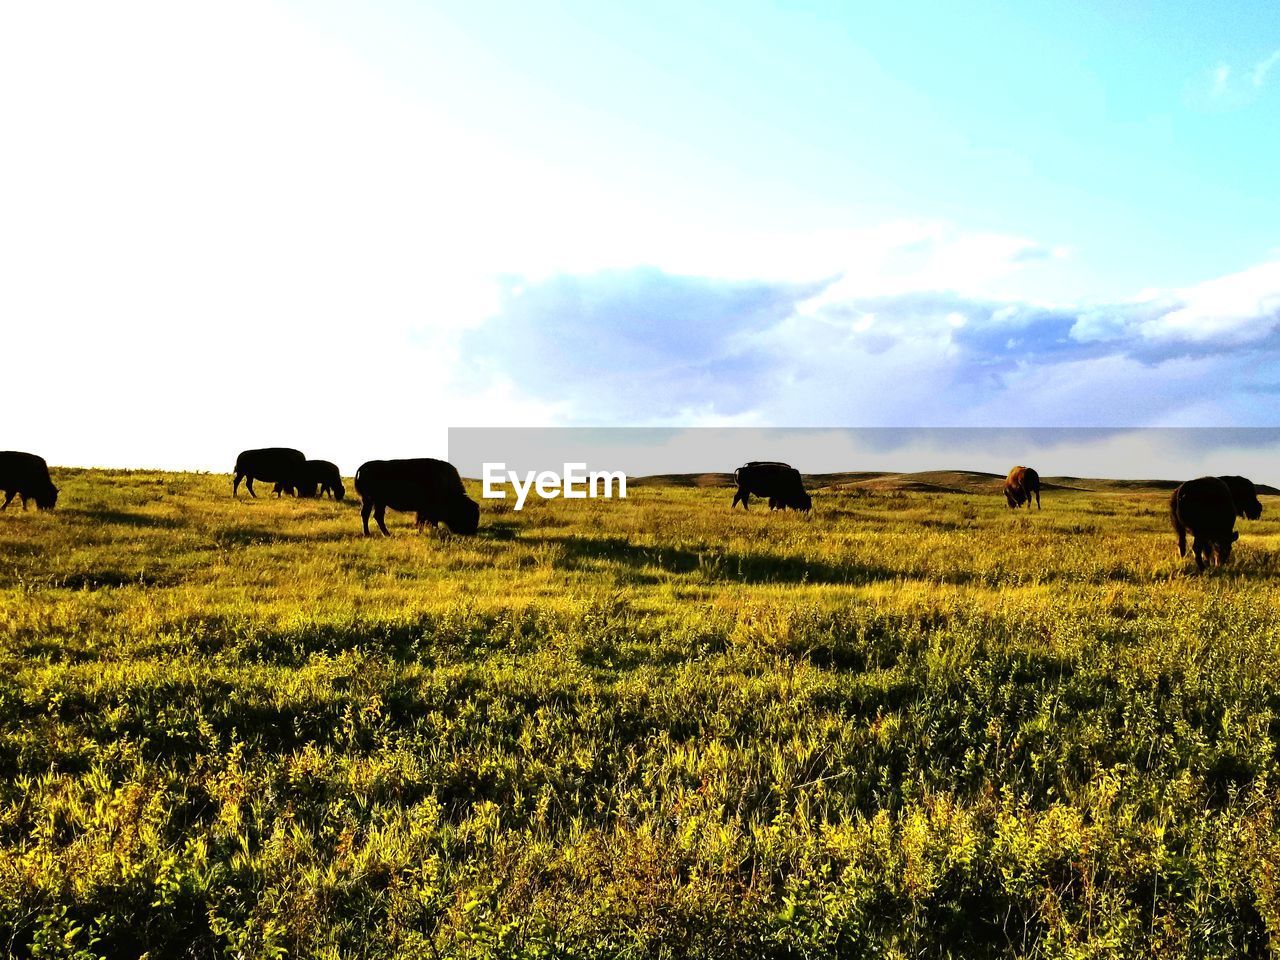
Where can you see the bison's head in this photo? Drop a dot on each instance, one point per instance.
(1222, 549)
(463, 516)
(1253, 510)
(802, 501)
(47, 498)
(339, 491)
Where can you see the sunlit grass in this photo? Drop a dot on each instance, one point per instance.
(910, 724)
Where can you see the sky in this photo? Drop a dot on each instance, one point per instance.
(348, 227)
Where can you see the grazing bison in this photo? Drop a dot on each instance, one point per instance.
(1204, 507)
(318, 478)
(26, 475)
(1020, 486)
(283, 466)
(1244, 495)
(323, 477)
(779, 483)
(429, 488)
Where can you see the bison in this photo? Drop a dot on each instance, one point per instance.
(27, 476)
(1205, 507)
(318, 478)
(429, 488)
(283, 466)
(1020, 486)
(323, 477)
(1244, 495)
(779, 483)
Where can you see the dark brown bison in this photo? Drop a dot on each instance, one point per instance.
(1020, 486)
(27, 476)
(779, 483)
(1204, 506)
(429, 488)
(283, 466)
(323, 477)
(318, 478)
(1245, 496)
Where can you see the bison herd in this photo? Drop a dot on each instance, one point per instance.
(290, 471)
(432, 490)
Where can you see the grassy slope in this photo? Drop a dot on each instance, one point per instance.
(913, 724)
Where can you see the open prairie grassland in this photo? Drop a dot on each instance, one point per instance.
(913, 724)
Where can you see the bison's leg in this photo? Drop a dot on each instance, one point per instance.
(1198, 547)
(741, 497)
(24, 501)
(8, 497)
(380, 514)
(366, 507)
(1181, 531)
(1037, 499)
(235, 484)
(248, 485)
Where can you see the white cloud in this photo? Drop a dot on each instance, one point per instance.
(1219, 76)
(874, 349)
(1230, 93)
(1236, 309)
(1263, 67)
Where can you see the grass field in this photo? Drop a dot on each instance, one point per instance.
(912, 724)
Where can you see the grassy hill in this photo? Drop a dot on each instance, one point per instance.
(911, 724)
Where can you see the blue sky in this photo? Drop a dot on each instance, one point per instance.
(1099, 126)
(347, 227)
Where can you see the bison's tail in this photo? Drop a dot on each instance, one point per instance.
(1173, 509)
(1179, 530)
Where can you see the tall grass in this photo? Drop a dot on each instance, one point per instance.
(910, 725)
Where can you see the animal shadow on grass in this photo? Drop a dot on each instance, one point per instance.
(652, 561)
(498, 530)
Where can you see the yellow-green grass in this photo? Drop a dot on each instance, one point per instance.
(911, 724)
